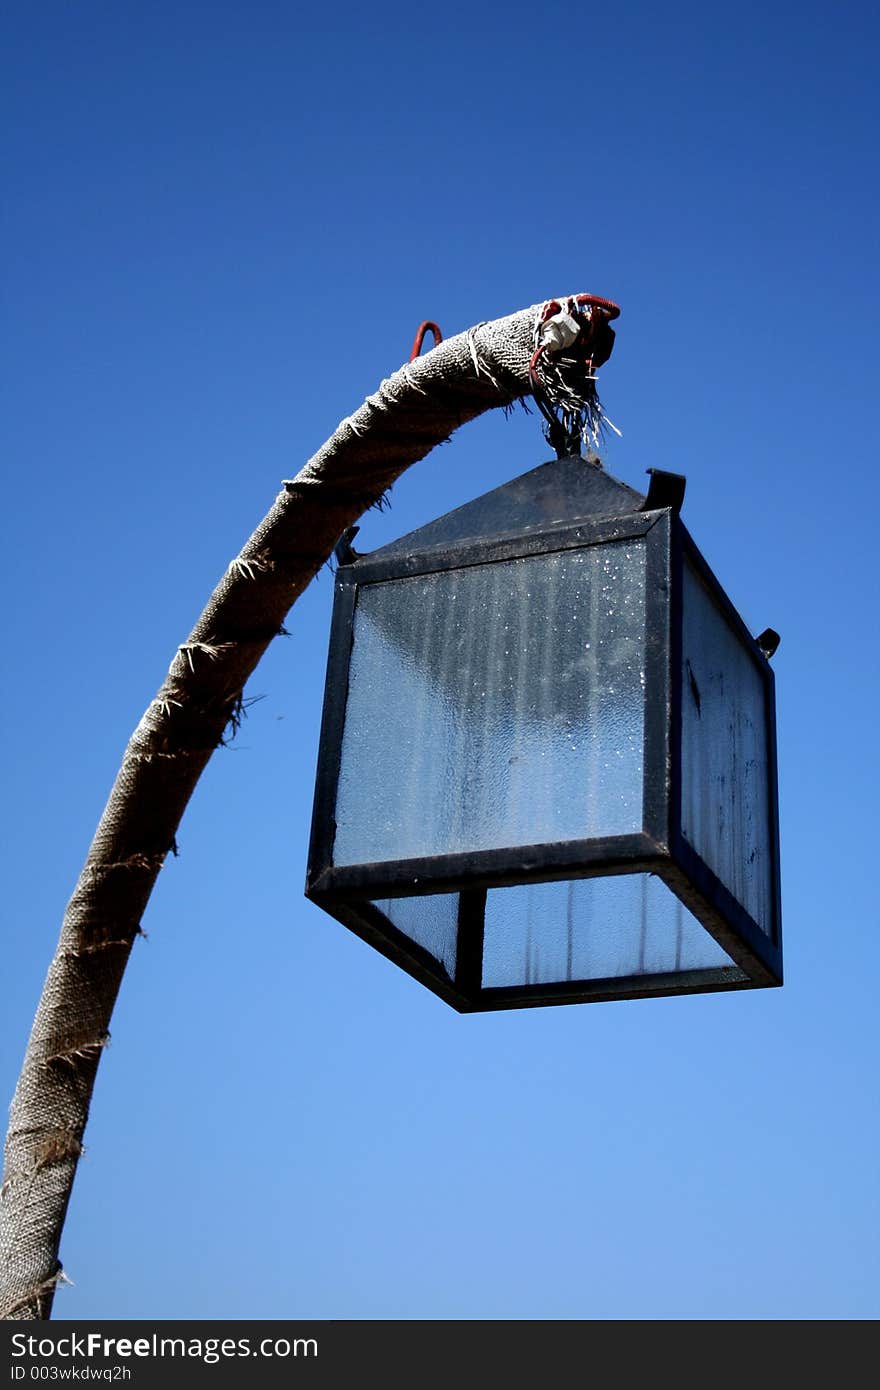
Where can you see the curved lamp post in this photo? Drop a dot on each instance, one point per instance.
(419, 406)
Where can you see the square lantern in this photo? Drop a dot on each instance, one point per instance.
(547, 770)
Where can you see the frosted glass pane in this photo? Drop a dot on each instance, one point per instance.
(431, 921)
(495, 706)
(593, 929)
(724, 795)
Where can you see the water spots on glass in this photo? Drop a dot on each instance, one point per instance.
(725, 806)
(430, 920)
(593, 929)
(496, 705)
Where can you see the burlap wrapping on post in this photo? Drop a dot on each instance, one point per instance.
(415, 409)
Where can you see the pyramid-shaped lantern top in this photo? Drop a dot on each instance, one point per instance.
(555, 494)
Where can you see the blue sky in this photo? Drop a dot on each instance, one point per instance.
(223, 224)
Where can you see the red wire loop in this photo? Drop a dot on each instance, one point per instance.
(595, 301)
(426, 327)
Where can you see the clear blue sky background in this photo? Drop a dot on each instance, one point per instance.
(223, 224)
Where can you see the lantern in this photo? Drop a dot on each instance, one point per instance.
(547, 770)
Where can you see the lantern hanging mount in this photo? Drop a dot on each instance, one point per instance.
(573, 339)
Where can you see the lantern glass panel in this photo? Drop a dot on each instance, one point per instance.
(725, 812)
(496, 705)
(431, 921)
(593, 929)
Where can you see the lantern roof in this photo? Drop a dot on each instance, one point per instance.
(560, 492)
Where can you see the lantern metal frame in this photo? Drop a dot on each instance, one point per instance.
(347, 892)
